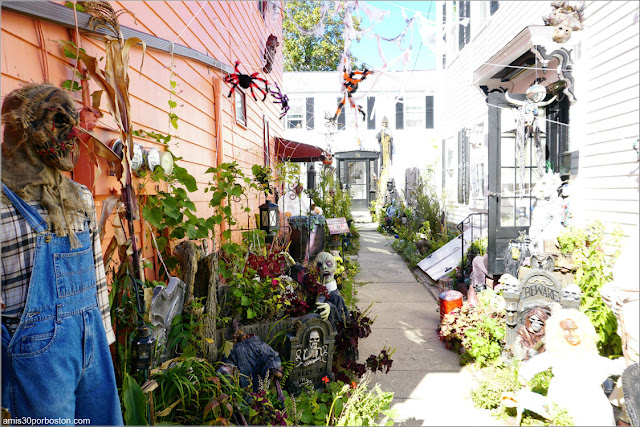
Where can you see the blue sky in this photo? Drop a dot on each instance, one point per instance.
(422, 58)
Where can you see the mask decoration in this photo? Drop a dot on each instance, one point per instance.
(326, 266)
(39, 141)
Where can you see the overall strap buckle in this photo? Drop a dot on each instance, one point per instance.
(59, 313)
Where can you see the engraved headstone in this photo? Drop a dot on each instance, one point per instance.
(311, 351)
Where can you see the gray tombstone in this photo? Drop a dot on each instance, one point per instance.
(539, 289)
(166, 304)
(311, 350)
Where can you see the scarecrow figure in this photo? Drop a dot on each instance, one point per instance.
(56, 327)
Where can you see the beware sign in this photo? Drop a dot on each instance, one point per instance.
(337, 225)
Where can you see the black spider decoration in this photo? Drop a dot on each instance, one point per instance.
(350, 85)
(246, 81)
(282, 99)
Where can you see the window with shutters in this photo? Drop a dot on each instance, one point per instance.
(310, 113)
(464, 168)
(342, 116)
(464, 28)
(399, 113)
(371, 117)
(429, 112)
(414, 116)
(493, 7)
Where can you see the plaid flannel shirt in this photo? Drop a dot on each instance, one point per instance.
(18, 247)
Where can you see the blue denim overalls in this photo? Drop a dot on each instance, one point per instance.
(58, 365)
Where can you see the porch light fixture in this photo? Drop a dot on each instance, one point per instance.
(269, 218)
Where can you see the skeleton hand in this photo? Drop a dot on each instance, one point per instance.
(288, 259)
(324, 310)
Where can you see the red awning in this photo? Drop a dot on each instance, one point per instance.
(292, 151)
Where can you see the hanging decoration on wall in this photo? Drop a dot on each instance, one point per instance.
(529, 126)
(282, 99)
(351, 81)
(270, 53)
(566, 18)
(246, 81)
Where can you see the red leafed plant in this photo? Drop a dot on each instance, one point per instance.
(272, 266)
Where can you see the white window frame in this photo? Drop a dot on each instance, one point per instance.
(240, 101)
(414, 113)
(296, 113)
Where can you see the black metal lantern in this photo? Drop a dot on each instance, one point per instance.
(269, 217)
(143, 346)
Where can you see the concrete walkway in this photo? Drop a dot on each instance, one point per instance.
(429, 385)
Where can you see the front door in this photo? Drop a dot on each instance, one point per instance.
(512, 174)
(357, 179)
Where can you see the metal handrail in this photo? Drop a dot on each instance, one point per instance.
(469, 220)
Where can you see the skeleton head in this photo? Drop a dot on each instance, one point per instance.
(572, 292)
(314, 339)
(509, 283)
(326, 265)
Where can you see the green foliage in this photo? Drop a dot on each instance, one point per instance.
(571, 239)
(251, 300)
(185, 335)
(478, 332)
(496, 380)
(595, 256)
(309, 53)
(133, 401)
(365, 407)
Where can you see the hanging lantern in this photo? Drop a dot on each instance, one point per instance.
(269, 218)
(143, 345)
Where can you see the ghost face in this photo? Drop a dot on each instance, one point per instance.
(326, 266)
(53, 133)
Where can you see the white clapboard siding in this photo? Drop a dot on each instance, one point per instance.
(608, 164)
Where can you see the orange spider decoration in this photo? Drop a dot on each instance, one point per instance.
(350, 84)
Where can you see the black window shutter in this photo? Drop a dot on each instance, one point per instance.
(371, 118)
(464, 33)
(399, 114)
(341, 117)
(309, 113)
(429, 113)
(460, 168)
(493, 7)
(467, 167)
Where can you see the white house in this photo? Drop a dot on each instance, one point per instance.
(406, 99)
(590, 130)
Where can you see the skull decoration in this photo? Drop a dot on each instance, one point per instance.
(327, 266)
(536, 323)
(510, 284)
(479, 287)
(571, 293)
(314, 340)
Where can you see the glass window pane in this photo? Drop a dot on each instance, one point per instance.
(523, 211)
(294, 116)
(507, 182)
(508, 150)
(507, 218)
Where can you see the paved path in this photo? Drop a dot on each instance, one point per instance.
(430, 387)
